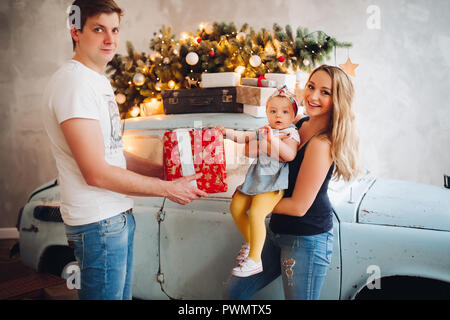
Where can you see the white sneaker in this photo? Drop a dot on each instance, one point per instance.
(243, 253)
(247, 268)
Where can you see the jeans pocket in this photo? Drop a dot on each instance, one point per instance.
(329, 247)
(308, 242)
(76, 241)
(114, 225)
(74, 237)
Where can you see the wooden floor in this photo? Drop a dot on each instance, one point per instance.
(18, 282)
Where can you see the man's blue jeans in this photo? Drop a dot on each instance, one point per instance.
(104, 252)
(302, 262)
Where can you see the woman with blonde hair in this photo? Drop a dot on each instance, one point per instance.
(299, 241)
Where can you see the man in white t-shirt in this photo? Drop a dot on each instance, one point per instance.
(82, 120)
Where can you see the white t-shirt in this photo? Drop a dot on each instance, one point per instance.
(292, 130)
(76, 91)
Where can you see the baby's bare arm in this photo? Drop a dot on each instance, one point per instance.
(236, 135)
(284, 149)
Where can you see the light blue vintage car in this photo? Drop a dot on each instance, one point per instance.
(392, 238)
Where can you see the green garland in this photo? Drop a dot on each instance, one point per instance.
(140, 77)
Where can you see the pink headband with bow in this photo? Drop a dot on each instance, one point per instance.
(284, 92)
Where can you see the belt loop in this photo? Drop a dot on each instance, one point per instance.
(129, 211)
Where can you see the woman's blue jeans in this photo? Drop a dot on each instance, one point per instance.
(104, 252)
(302, 262)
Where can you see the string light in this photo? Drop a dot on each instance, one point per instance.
(135, 111)
(240, 69)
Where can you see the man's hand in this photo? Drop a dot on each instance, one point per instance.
(182, 192)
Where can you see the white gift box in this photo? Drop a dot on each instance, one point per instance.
(255, 111)
(220, 79)
(282, 79)
(254, 96)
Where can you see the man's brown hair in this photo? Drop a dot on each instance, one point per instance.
(92, 8)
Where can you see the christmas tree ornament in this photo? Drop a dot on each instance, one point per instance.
(166, 60)
(281, 59)
(212, 53)
(171, 84)
(192, 58)
(199, 40)
(139, 79)
(349, 67)
(120, 98)
(158, 86)
(153, 55)
(255, 61)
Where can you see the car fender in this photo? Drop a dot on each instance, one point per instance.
(373, 251)
(36, 236)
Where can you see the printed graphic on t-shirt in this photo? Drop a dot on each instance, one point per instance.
(116, 124)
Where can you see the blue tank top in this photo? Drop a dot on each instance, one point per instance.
(319, 217)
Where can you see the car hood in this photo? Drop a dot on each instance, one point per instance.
(406, 204)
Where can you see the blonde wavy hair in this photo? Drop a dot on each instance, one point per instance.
(342, 131)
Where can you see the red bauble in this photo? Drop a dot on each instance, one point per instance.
(281, 59)
(199, 40)
(212, 53)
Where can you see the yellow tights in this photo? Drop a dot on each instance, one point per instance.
(252, 226)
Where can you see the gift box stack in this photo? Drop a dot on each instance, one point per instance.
(188, 152)
(253, 93)
(218, 94)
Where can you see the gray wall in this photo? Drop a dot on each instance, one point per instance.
(402, 83)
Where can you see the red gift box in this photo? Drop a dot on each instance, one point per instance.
(187, 152)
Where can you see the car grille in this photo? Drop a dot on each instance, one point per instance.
(47, 213)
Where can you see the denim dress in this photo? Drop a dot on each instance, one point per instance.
(267, 174)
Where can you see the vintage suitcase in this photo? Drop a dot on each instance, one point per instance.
(201, 100)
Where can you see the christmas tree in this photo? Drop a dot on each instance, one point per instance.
(139, 78)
